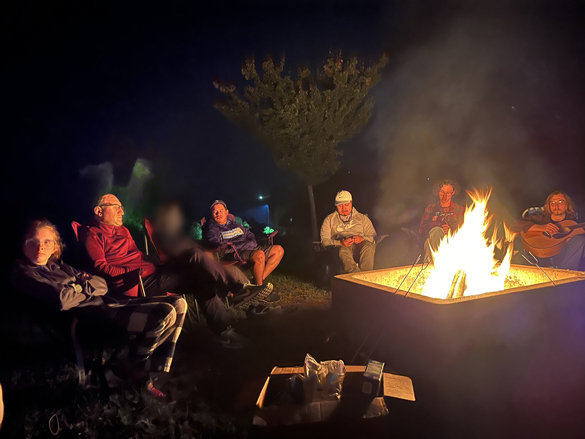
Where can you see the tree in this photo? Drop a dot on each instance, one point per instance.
(303, 120)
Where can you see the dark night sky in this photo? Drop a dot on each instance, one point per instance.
(89, 82)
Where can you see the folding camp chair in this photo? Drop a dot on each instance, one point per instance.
(117, 285)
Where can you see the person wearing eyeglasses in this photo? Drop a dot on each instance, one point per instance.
(149, 327)
(113, 252)
(557, 207)
(441, 218)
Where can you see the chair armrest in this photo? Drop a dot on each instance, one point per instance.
(380, 238)
(118, 285)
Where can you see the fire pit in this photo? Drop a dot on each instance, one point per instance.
(484, 340)
(514, 352)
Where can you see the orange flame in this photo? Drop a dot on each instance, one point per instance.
(468, 255)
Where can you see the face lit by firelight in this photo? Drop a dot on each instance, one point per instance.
(219, 214)
(558, 205)
(110, 211)
(39, 247)
(445, 194)
(345, 209)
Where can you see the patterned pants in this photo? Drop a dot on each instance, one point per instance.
(153, 325)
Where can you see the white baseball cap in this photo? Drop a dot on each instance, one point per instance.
(342, 197)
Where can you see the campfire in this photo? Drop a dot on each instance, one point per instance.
(465, 264)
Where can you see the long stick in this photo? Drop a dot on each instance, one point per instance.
(407, 274)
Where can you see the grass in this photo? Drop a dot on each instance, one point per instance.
(296, 293)
(210, 398)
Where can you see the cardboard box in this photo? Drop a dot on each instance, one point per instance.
(354, 408)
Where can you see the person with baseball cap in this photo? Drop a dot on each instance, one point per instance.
(222, 229)
(351, 234)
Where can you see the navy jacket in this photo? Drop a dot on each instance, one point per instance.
(217, 235)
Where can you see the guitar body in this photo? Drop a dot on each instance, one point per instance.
(543, 246)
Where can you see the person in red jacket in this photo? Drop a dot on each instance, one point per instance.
(113, 252)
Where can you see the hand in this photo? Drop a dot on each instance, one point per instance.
(358, 239)
(549, 228)
(445, 228)
(347, 242)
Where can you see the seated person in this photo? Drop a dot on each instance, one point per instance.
(151, 325)
(351, 234)
(171, 240)
(112, 251)
(557, 207)
(221, 230)
(442, 217)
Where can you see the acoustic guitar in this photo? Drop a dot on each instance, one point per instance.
(546, 245)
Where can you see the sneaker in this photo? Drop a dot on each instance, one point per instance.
(262, 291)
(243, 299)
(272, 297)
(230, 339)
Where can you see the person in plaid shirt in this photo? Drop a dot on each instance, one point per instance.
(442, 217)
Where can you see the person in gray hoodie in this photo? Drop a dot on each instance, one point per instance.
(351, 234)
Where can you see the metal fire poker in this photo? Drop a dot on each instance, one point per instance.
(535, 264)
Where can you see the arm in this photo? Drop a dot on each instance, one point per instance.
(47, 293)
(249, 239)
(212, 236)
(369, 231)
(326, 239)
(536, 223)
(521, 225)
(426, 222)
(95, 247)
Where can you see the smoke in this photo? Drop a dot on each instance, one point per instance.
(101, 177)
(462, 105)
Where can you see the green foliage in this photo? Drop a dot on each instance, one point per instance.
(302, 120)
(242, 222)
(196, 232)
(268, 230)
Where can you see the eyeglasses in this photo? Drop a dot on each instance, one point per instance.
(116, 206)
(46, 243)
(446, 193)
(560, 203)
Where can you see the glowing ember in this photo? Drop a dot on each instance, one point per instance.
(464, 263)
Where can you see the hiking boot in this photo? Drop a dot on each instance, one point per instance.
(230, 339)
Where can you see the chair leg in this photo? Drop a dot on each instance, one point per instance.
(78, 354)
(196, 310)
(98, 372)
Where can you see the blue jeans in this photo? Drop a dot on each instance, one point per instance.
(572, 256)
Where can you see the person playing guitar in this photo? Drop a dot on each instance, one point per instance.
(554, 233)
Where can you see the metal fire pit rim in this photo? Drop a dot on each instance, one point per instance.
(575, 276)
